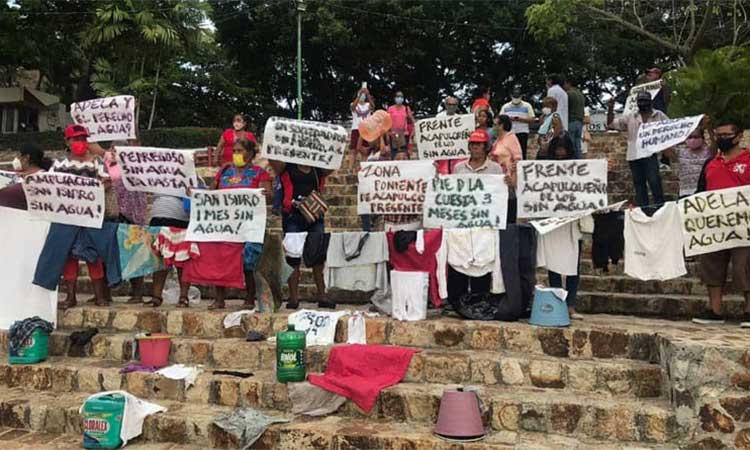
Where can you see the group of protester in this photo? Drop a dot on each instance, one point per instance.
(495, 147)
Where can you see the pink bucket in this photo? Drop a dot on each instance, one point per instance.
(154, 350)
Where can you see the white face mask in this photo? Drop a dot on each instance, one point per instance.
(546, 111)
(516, 100)
(17, 166)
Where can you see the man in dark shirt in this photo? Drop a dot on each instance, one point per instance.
(576, 107)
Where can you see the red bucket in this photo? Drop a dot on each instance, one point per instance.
(154, 350)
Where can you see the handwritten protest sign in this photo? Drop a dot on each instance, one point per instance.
(466, 201)
(7, 178)
(561, 188)
(654, 137)
(65, 198)
(319, 326)
(313, 144)
(156, 170)
(393, 187)
(631, 105)
(444, 137)
(544, 226)
(107, 119)
(715, 220)
(230, 215)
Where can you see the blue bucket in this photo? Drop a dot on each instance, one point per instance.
(549, 308)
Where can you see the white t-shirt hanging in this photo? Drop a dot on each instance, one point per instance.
(409, 294)
(653, 245)
(558, 250)
(360, 113)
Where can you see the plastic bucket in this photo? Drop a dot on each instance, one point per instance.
(549, 308)
(35, 349)
(154, 350)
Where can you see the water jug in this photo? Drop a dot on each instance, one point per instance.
(375, 126)
(290, 355)
(33, 350)
(102, 422)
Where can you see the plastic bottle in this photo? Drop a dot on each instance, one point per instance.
(290, 355)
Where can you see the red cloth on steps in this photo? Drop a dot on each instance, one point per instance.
(413, 261)
(360, 372)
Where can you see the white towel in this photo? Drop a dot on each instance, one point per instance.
(234, 319)
(181, 372)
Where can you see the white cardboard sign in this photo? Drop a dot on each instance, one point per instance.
(157, 170)
(65, 198)
(228, 215)
(466, 201)
(7, 178)
(305, 142)
(631, 106)
(444, 137)
(561, 188)
(715, 220)
(393, 187)
(654, 137)
(107, 119)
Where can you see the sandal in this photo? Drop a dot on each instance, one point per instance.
(250, 302)
(135, 301)
(184, 302)
(154, 302)
(217, 305)
(292, 305)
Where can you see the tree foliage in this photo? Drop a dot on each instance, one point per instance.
(715, 84)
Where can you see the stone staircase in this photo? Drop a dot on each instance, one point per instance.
(610, 382)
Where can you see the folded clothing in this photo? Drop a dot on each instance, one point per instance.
(360, 372)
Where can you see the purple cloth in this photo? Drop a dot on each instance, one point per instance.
(137, 367)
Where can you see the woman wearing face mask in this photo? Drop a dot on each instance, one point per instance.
(401, 117)
(82, 163)
(226, 142)
(551, 127)
(361, 109)
(507, 149)
(242, 173)
(692, 155)
(30, 160)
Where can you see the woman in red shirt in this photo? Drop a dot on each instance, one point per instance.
(229, 137)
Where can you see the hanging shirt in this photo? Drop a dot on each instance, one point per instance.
(653, 245)
(472, 252)
(419, 255)
(294, 244)
(409, 295)
(356, 263)
(558, 249)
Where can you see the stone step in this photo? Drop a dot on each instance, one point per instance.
(620, 378)
(596, 337)
(666, 306)
(338, 433)
(516, 409)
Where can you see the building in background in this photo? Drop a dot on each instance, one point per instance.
(24, 109)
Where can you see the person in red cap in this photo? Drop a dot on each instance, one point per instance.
(225, 147)
(83, 163)
(478, 162)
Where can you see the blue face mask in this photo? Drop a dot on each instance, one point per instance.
(399, 100)
(362, 97)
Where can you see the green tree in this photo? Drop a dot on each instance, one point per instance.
(137, 40)
(714, 84)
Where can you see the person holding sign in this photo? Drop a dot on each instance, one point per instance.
(301, 186)
(479, 163)
(30, 160)
(82, 163)
(644, 169)
(242, 173)
(224, 149)
(730, 168)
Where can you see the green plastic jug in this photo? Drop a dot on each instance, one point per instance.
(34, 350)
(102, 422)
(290, 355)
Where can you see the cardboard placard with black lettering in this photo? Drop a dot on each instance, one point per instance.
(157, 170)
(466, 201)
(315, 144)
(393, 187)
(654, 137)
(444, 137)
(715, 220)
(228, 215)
(631, 105)
(561, 188)
(65, 198)
(107, 119)
(7, 178)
